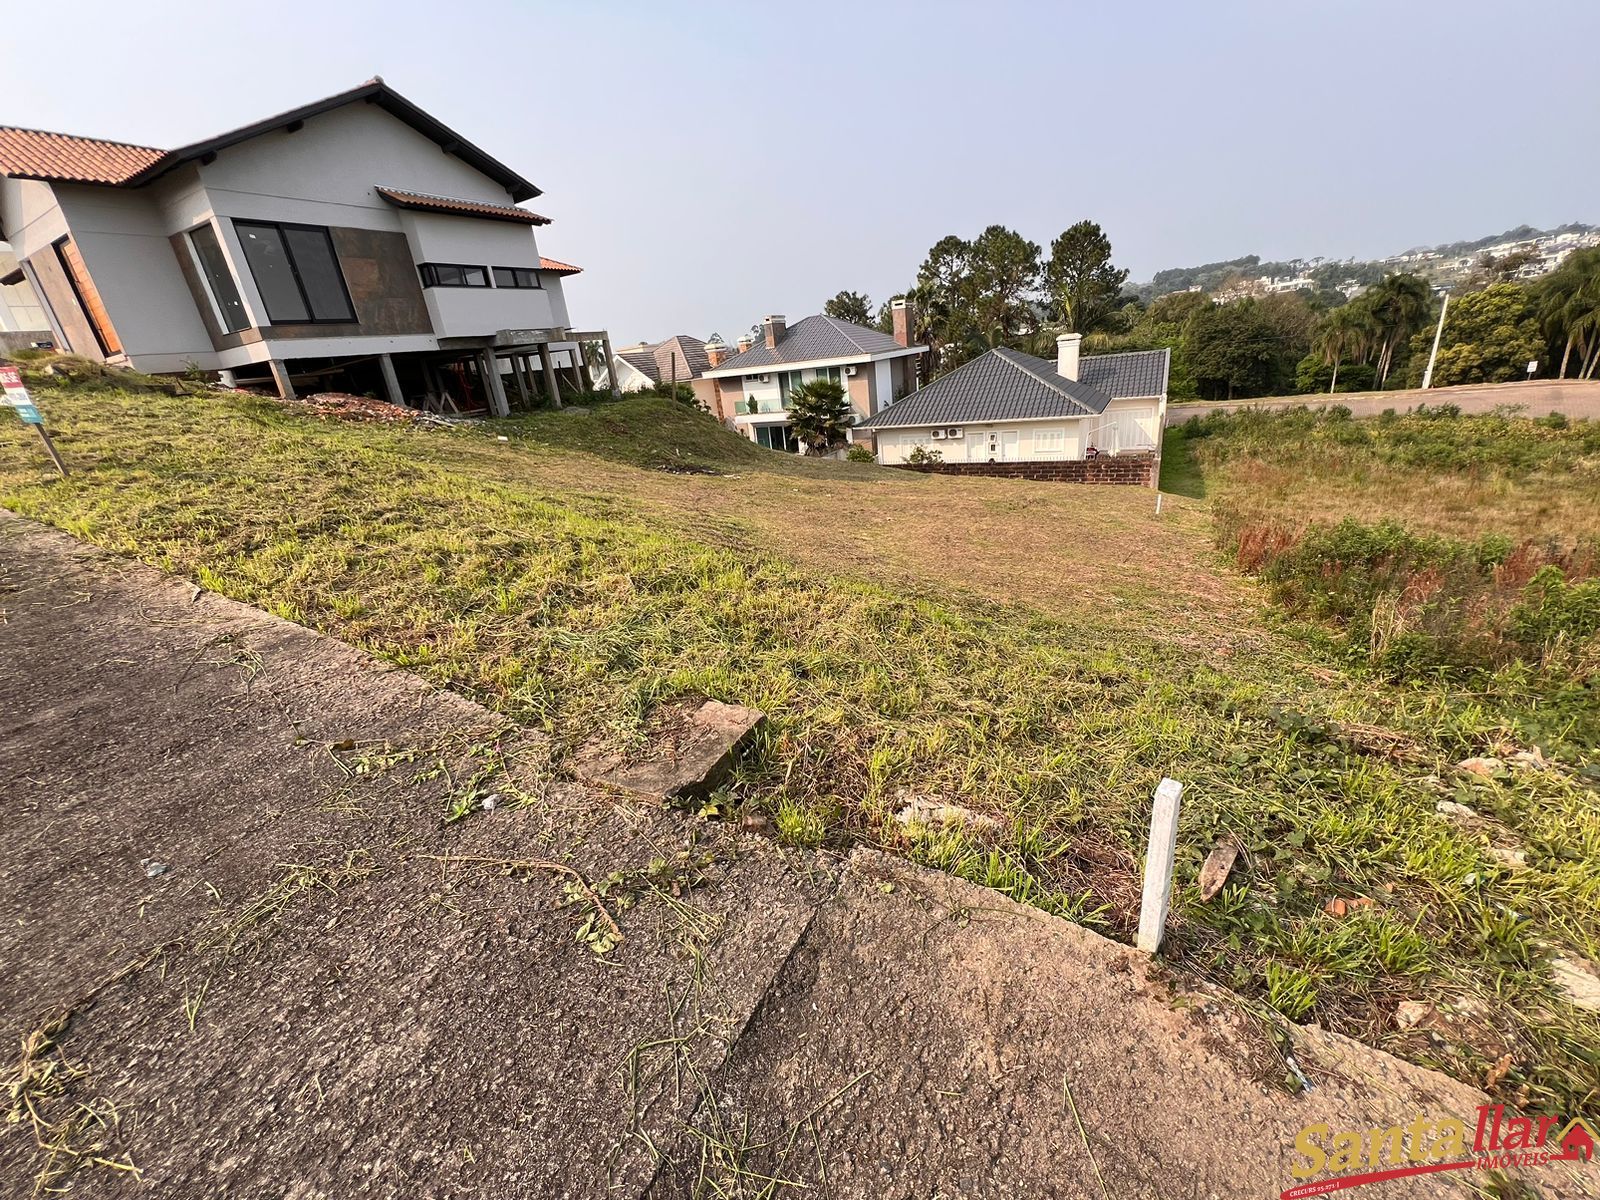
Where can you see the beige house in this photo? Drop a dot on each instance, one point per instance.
(753, 387)
(1010, 407)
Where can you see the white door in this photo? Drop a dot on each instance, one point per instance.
(1000, 445)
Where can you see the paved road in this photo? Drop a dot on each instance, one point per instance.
(1575, 399)
(228, 896)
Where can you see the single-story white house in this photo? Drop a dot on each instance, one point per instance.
(1010, 407)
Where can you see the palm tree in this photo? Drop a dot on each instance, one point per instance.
(1402, 304)
(1344, 331)
(1569, 307)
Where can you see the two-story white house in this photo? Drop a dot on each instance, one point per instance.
(753, 386)
(354, 243)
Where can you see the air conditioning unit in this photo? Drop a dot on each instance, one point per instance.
(954, 433)
(763, 378)
(938, 435)
(850, 371)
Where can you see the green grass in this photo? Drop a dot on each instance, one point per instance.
(1460, 553)
(1434, 471)
(1041, 655)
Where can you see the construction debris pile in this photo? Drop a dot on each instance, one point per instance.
(349, 407)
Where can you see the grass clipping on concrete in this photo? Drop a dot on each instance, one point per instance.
(566, 580)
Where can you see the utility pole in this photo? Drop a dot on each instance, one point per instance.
(1427, 376)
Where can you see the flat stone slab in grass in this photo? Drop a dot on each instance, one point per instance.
(691, 752)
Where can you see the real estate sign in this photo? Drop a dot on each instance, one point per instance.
(17, 396)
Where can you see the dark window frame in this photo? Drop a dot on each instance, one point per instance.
(294, 271)
(430, 277)
(531, 272)
(219, 307)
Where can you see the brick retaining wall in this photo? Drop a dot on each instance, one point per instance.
(1134, 470)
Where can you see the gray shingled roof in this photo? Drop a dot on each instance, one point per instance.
(810, 339)
(692, 361)
(656, 361)
(1007, 385)
(1131, 373)
(642, 361)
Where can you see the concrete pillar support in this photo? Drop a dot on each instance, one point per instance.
(519, 368)
(280, 376)
(552, 390)
(611, 368)
(391, 381)
(498, 405)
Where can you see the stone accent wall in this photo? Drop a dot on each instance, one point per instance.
(1132, 470)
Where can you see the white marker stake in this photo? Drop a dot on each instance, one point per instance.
(1158, 865)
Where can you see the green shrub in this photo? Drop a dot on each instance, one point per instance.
(1421, 607)
(860, 454)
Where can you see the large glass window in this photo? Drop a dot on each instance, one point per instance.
(296, 271)
(776, 437)
(214, 265)
(516, 277)
(788, 383)
(453, 275)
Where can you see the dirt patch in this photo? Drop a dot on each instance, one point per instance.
(349, 407)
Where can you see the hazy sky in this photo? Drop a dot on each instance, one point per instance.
(707, 164)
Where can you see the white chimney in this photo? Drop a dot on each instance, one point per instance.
(1067, 355)
(745, 342)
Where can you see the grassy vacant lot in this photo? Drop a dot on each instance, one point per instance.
(1458, 553)
(1040, 654)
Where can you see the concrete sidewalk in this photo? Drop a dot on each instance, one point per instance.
(248, 956)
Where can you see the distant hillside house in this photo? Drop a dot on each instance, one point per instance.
(354, 243)
(681, 357)
(1010, 407)
(753, 387)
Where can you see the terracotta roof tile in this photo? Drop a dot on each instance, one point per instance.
(460, 208)
(560, 268)
(35, 154)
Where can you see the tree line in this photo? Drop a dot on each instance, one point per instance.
(1001, 289)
